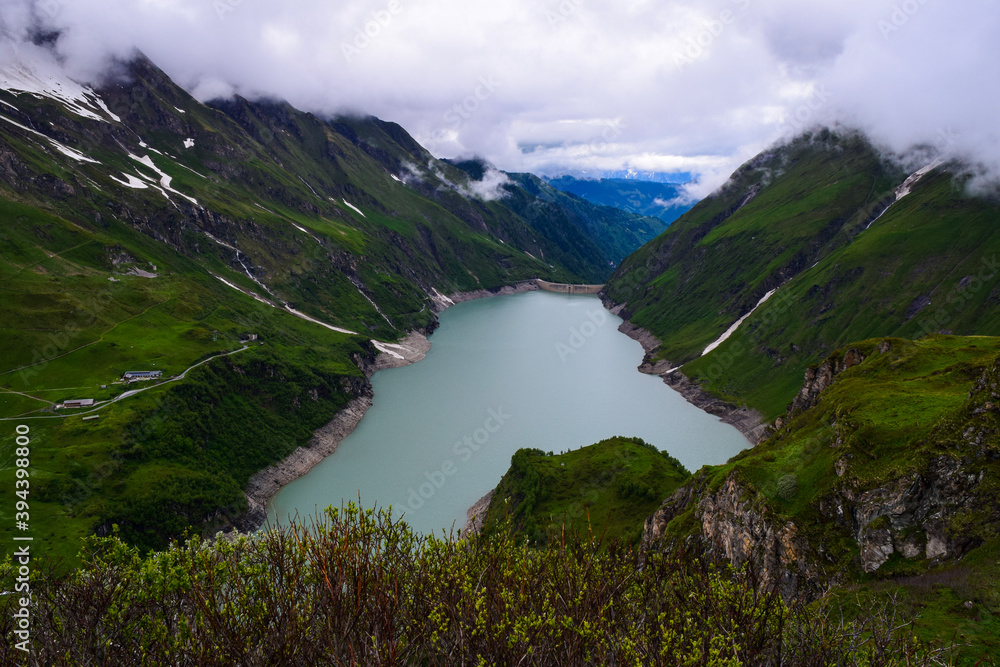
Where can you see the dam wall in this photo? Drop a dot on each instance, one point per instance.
(563, 288)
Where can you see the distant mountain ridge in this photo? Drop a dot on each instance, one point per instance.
(616, 232)
(665, 201)
(673, 177)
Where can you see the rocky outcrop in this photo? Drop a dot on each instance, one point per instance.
(910, 515)
(943, 509)
(475, 516)
(820, 377)
(736, 525)
(913, 516)
(937, 508)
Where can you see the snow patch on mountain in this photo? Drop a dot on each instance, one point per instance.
(65, 150)
(907, 187)
(315, 321)
(31, 70)
(164, 177)
(354, 207)
(736, 325)
(384, 348)
(131, 182)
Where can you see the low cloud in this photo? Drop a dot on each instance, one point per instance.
(490, 187)
(677, 85)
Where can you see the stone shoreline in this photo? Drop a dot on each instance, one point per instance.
(266, 483)
(475, 516)
(747, 421)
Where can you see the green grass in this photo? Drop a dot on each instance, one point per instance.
(605, 490)
(804, 233)
(885, 421)
(879, 414)
(953, 605)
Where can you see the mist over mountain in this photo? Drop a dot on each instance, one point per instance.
(684, 86)
(664, 201)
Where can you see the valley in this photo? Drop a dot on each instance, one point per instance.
(223, 314)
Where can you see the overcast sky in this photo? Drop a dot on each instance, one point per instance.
(546, 86)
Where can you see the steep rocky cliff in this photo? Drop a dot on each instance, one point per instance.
(885, 462)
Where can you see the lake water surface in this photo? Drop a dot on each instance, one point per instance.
(539, 369)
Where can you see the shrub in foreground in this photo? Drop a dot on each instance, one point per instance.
(358, 588)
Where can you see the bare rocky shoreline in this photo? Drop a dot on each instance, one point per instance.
(475, 516)
(745, 420)
(265, 484)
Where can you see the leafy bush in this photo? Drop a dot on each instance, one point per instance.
(359, 588)
(788, 487)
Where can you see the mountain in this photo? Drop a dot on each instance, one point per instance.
(665, 201)
(881, 479)
(675, 177)
(146, 231)
(851, 304)
(842, 243)
(616, 233)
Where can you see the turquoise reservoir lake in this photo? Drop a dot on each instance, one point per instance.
(539, 369)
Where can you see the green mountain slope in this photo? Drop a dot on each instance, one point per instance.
(882, 477)
(625, 235)
(143, 230)
(796, 220)
(610, 234)
(604, 490)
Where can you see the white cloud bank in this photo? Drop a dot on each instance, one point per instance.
(549, 85)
